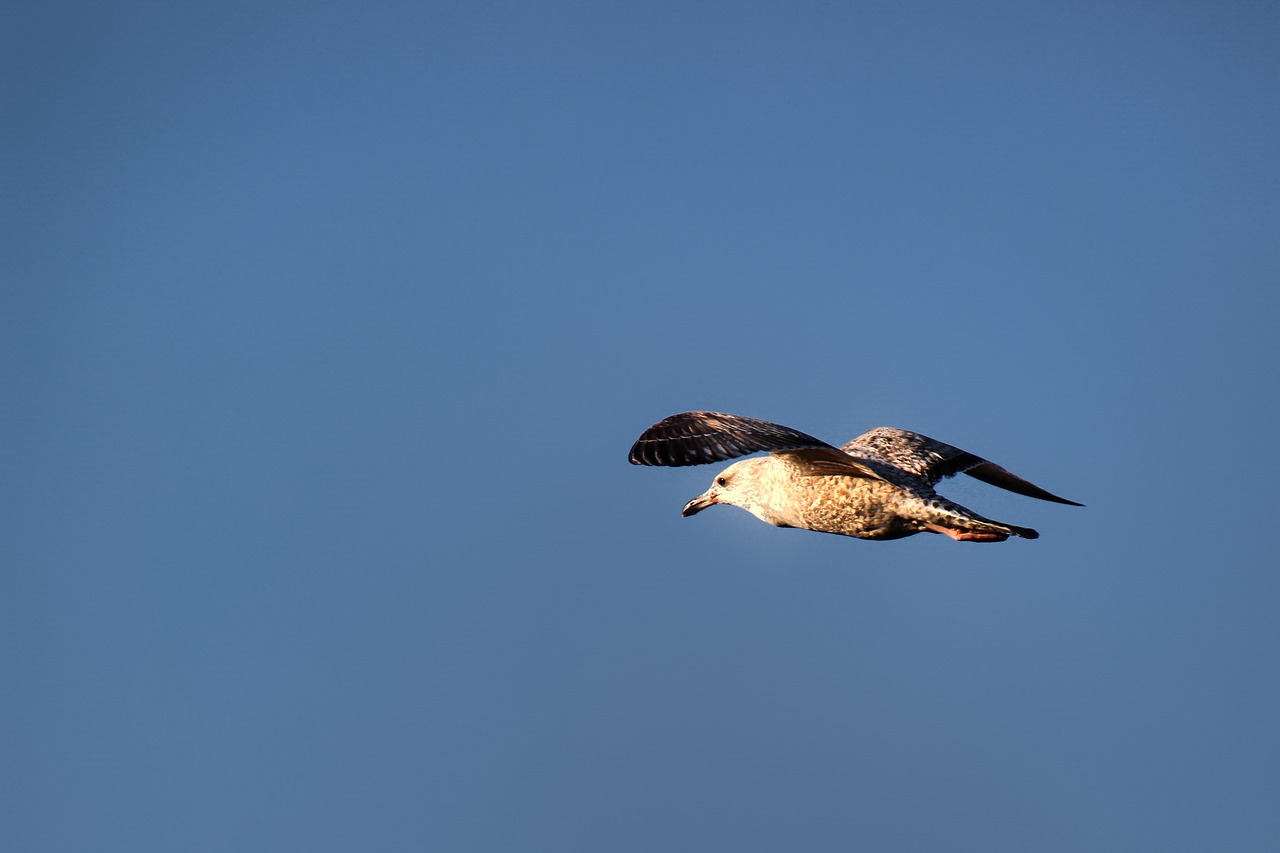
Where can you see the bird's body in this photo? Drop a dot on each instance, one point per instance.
(830, 503)
(878, 486)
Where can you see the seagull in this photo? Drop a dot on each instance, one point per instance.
(878, 486)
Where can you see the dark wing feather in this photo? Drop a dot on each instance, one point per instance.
(834, 462)
(696, 438)
(990, 472)
(932, 460)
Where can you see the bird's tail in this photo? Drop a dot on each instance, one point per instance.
(962, 523)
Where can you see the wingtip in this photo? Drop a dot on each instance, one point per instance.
(638, 455)
(641, 453)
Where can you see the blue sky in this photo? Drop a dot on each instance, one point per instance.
(329, 327)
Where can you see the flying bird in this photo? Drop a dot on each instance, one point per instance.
(878, 486)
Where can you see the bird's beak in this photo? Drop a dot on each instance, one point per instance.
(699, 503)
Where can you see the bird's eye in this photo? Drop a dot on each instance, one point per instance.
(721, 481)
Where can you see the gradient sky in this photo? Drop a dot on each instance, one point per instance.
(327, 328)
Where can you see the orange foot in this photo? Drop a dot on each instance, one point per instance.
(967, 535)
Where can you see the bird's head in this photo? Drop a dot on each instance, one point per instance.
(738, 485)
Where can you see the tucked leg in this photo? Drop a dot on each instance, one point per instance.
(966, 535)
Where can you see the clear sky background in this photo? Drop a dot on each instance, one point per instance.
(327, 328)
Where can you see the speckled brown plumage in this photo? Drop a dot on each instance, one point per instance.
(878, 486)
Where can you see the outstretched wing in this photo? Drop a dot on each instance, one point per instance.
(696, 438)
(932, 460)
